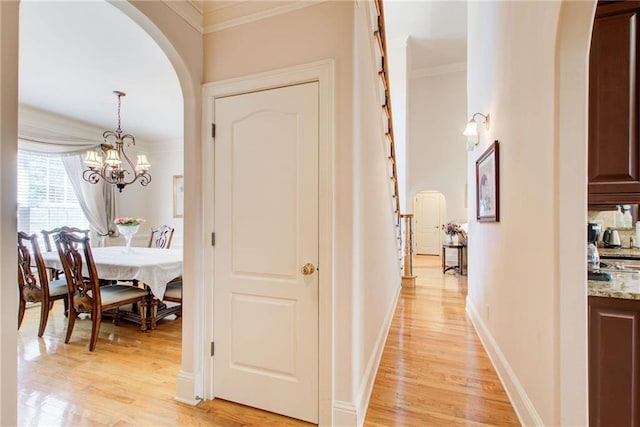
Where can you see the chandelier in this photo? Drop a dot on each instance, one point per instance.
(117, 169)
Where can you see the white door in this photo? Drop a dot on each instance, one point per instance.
(428, 209)
(266, 229)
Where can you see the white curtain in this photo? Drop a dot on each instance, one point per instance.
(96, 200)
(45, 133)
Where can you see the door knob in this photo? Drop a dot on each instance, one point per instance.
(308, 269)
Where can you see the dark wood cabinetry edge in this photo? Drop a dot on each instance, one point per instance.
(606, 8)
(612, 200)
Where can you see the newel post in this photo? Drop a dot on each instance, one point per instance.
(408, 279)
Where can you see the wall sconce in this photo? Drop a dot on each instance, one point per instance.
(471, 131)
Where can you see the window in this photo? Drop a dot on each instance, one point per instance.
(45, 197)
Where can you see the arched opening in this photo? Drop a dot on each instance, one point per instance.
(574, 38)
(183, 47)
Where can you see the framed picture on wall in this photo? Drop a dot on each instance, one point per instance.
(178, 196)
(488, 185)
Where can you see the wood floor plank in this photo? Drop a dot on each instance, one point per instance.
(434, 371)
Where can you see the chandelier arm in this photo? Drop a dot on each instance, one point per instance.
(116, 172)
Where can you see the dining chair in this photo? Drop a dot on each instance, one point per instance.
(161, 237)
(87, 296)
(173, 293)
(36, 288)
(48, 234)
(55, 274)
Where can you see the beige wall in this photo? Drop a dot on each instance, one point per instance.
(366, 274)
(8, 203)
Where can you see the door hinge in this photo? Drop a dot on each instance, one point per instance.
(213, 239)
(213, 347)
(213, 130)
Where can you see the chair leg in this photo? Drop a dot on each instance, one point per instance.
(45, 306)
(95, 329)
(21, 308)
(71, 321)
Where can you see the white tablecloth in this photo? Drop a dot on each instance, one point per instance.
(154, 267)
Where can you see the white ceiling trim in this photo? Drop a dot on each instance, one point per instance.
(189, 10)
(435, 71)
(210, 17)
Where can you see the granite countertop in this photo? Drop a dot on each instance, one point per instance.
(623, 285)
(629, 253)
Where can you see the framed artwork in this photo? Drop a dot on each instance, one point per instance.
(488, 185)
(178, 196)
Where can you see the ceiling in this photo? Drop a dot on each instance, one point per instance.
(74, 54)
(437, 31)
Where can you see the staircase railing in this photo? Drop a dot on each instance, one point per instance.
(405, 250)
(381, 38)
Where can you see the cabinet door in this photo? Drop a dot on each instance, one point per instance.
(614, 145)
(614, 362)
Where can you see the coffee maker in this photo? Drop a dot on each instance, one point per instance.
(594, 230)
(593, 257)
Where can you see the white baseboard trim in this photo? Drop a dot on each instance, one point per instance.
(185, 389)
(369, 376)
(344, 414)
(522, 405)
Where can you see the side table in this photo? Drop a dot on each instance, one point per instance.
(460, 267)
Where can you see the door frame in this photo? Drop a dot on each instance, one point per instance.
(323, 73)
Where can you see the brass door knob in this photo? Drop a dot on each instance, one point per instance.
(308, 269)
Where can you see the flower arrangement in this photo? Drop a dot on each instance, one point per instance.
(451, 228)
(129, 221)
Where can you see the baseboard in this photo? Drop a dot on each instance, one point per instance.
(185, 389)
(520, 401)
(344, 414)
(369, 377)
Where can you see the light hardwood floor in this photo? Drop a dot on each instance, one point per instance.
(434, 371)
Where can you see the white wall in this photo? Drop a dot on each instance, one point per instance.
(398, 65)
(154, 202)
(513, 266)
(377, 275)
(437, 156)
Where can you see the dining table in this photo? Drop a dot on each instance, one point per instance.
(150, 267)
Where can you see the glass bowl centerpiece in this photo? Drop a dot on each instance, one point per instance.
(128, 227)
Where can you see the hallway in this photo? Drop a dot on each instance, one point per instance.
(434, 371)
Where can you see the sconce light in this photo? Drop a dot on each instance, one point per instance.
(471, 131)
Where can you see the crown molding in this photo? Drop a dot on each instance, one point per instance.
(232, 14)
(436, 71)
(192, 11)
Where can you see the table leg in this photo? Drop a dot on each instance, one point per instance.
(443, 259)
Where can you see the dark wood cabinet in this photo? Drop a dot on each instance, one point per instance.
(614, 85)
(614, 362)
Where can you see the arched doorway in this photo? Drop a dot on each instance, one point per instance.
(572, 53)
(183, 47)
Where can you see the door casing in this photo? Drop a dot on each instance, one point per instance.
(323, 73)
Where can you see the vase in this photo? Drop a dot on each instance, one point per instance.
(128, 231)
(450, 239)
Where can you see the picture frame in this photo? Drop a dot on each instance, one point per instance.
(178, 196)
(488, 185)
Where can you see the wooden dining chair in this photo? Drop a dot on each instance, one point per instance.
(86, 295)
(36, 288)
(161, 237)
(48, 234)
(173, 293)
